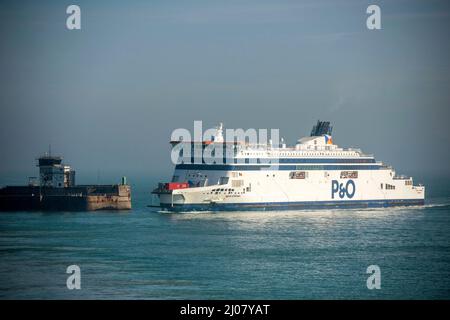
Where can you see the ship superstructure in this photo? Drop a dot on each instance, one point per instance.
(314, 173)
(53, 173)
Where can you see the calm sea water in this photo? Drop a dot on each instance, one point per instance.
(146, 254)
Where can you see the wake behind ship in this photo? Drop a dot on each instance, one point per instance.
(315, 173)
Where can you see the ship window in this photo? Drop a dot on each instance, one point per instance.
(223, 180)
(175, 178)
(237, 183)
(381, 186)
(298, 175)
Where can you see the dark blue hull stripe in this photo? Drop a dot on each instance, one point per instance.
(250, 167)
(286, 160)
(319, 161)
(293, 205)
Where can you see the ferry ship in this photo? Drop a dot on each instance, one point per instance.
(315, 173)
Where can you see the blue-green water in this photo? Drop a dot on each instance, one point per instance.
(145, 254)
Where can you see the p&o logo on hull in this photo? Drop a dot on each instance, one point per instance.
(343, 191)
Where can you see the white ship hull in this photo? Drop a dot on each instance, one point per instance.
(275, 190)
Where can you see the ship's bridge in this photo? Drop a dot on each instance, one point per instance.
(320, 138)
(324, 142)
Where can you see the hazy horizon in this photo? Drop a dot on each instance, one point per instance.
(108, 96)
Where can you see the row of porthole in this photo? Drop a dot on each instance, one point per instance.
(225, 191)
(306, 154)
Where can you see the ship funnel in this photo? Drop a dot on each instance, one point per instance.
(321, 128)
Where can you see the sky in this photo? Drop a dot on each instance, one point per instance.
(107, 97)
